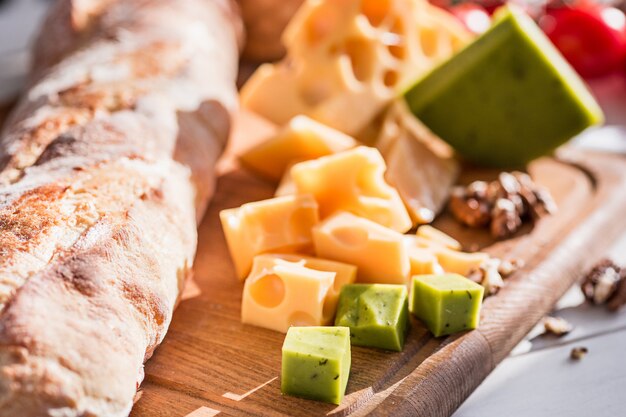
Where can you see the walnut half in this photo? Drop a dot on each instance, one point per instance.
(503, 204)
(606, 284)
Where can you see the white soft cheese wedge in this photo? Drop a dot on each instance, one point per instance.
(419, 165)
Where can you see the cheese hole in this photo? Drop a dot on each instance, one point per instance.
(375, 10)
(390, 78)
(300, 318)
(428, 42)
(350, 236)
(362, 57)
(394, 39)
(268, 291)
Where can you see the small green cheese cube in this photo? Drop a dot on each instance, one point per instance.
(316, 363)
(447, 303)
(507, 98)
(377, 314)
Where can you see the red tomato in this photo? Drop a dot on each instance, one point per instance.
(475, 18)
(591, 37)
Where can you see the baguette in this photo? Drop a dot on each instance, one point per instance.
(105, 167)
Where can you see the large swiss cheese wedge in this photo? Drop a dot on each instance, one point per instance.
(346, 59)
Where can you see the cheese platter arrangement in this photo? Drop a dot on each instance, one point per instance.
(383, 211)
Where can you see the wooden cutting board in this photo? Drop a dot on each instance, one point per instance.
(211, 364)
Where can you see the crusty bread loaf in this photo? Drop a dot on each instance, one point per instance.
(105, 166)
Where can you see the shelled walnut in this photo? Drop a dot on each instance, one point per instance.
(557, 326)
(491, 273)
(606, 284)
(503, 204)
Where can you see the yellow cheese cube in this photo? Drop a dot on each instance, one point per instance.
(345, 274)
(278, 224)
(451, 260)
(300, 140)
(436, 235)
(423, 261)
(279, 294)
(352, 181)
(378, 252)
(460, 262)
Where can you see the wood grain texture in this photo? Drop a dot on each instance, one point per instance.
(209, 353)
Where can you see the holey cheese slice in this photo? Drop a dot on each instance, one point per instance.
(346, 59)
(352, 181)
(281, 224)
(289, 290)
(379, 253)
(301, 139)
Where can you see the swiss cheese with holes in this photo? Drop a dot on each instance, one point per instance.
(281, 224)
(346, 59)
(301, 139)
(292, 290)
(352, 181)
(379, 253)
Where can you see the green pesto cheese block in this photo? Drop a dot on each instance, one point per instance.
(507, 98)
(447, 303)
(316, 363)
(377, 314)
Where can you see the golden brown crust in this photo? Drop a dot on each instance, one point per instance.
(104, 167)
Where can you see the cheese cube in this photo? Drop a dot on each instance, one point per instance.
(378, 252)
(452, 261)
(460, 262)
(377, 315)
(300, 140)
(344, 274)
(423, 261)
(436, 235)
(316, 363)
(278, 295)
(352, 181)
(279, 224)
(446, 303)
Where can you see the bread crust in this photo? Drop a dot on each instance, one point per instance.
(105, 166)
